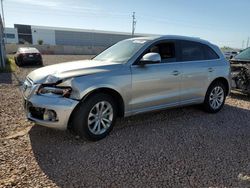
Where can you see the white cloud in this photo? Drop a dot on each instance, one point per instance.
(44, 3)
(57, 5)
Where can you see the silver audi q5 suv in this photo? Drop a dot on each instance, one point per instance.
(133, 76)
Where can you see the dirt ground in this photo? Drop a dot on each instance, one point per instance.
(182, 147)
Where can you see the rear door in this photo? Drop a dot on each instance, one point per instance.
(196, 70)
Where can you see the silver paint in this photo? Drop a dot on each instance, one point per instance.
(142, 88)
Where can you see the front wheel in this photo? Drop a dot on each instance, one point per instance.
(215, 97)
(95, 117)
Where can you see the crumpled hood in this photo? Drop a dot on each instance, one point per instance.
(72, 69)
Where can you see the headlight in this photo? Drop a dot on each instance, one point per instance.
(51, 79)
(62, 91)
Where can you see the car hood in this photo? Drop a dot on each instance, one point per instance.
(53, 73)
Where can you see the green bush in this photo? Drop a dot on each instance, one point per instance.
(40, 42)
(10, 65)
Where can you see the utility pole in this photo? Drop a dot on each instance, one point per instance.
(3, 49)
(3, 14)
(3, 22)
(133, 24)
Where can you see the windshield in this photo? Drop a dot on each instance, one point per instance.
(245, 55)
(121, 51)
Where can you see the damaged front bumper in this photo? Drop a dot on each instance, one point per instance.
(52, 111)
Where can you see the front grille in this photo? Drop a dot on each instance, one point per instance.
(36, 112)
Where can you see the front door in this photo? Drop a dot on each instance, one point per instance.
(156, 86)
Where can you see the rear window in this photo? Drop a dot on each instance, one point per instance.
(28, 50)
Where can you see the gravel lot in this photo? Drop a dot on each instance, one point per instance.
(183, 147)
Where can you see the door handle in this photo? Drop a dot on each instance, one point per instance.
(210, 69)
(175, 73)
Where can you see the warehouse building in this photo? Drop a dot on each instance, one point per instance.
(11, 35)
(29, 34)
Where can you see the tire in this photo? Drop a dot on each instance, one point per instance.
(17, 62)
(85, 118)
(215, 92)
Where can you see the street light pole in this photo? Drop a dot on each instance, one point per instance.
(133, 24)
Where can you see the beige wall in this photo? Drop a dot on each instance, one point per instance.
(59, 49)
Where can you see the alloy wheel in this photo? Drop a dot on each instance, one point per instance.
(100, 117)
(216, 97)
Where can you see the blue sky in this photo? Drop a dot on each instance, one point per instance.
(223, 22)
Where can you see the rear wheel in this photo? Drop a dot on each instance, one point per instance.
(215, 97)
(95, 117)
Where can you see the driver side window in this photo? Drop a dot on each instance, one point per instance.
(166, 51)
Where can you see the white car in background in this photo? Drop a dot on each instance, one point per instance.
(230, 54)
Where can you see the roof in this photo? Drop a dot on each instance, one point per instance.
(174, 37)
(28, 50)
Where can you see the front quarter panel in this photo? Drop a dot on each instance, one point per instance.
(118, 80)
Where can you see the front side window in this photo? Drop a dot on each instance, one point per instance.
(122, 51)
(166, 51)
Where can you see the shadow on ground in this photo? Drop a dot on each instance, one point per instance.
(5, 78)
(179, 147)
(238, 95)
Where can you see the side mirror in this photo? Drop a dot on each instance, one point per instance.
(150, 58)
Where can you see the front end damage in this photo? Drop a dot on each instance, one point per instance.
(240, 71)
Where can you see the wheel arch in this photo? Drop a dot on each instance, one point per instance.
(224, 81)
(115, 94)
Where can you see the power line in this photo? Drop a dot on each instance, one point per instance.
(133, 24)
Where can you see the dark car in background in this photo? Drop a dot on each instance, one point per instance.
(28, 56)
(240, 66)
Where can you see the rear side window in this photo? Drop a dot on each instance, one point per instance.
(210, 53)
(194, 51)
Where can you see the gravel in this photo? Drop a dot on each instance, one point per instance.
(182, 147)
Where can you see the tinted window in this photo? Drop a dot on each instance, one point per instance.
(210, 53)
(192, 51)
